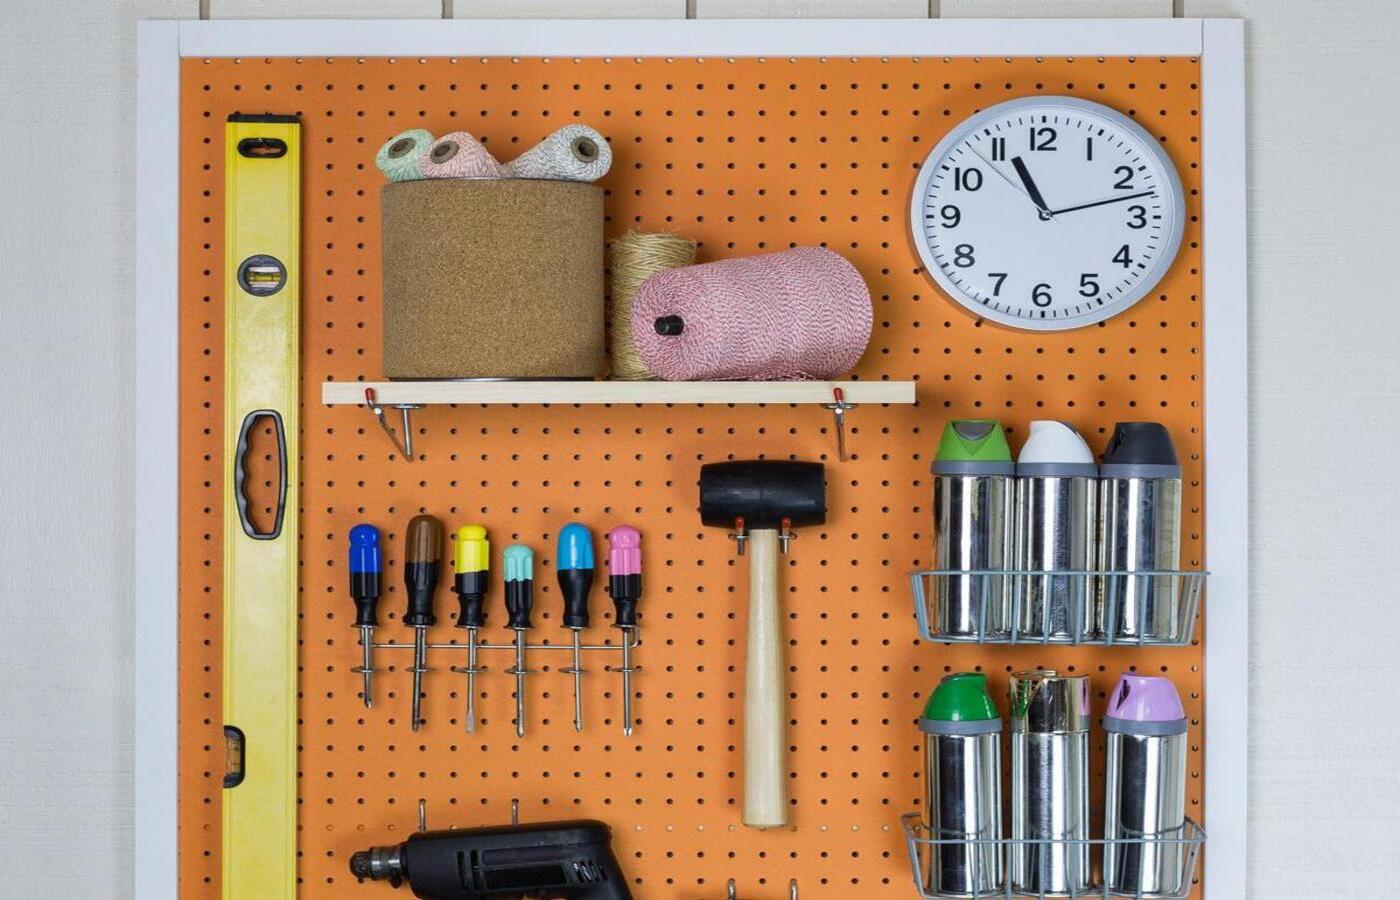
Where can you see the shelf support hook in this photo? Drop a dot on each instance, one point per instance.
(404, 446)
(838, 412)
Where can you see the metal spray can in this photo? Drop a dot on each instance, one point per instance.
(1140, 530)
(973, 494)
(1145, 787)
(1056, 500)
(1049, 782)
(962, 778)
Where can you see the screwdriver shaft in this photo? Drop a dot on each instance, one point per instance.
(471, 679)
(420, 658)
(366, 667)
(578, 680)
(627, 681)
(520, 682)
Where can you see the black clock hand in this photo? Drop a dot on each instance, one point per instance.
(1103, 202)
(1031, 189)
(999, 173)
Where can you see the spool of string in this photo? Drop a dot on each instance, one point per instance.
(573, 153)
(399, 157)
(459, 155)
(634, 259)
(799, 314)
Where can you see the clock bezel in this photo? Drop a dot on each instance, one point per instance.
(1151, 278)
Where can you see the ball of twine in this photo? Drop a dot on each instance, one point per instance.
(399, 157)
(635, 258)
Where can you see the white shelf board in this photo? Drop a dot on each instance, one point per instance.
(391, 393)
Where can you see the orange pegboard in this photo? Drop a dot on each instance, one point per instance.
(745, 155)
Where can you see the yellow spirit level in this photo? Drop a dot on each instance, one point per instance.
(262, 205)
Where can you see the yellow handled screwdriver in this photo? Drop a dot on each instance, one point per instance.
(471, 562)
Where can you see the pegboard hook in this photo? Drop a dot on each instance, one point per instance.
(732, 890)
(404, 446)
(838, 411)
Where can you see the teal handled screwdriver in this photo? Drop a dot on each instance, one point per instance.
(471, 564)
(574, 564)
(422, 561)
(519, 563)
(365, 573)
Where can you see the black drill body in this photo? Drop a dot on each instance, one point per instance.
(553, 859)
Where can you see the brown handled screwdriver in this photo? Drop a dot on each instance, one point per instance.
(422, 563)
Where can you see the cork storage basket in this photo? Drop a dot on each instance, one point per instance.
(492, 278)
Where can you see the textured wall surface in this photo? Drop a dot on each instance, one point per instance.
(1324, 390)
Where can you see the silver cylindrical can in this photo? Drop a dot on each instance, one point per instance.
(1145, 788)
(1050, 782)
(1056, 518)
(962, 776)
(1140, 531)
(973, 499)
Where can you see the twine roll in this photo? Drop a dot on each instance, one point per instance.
(459, 155)
(635, 258)
(799, 314)
(399, 157)
(573, 153)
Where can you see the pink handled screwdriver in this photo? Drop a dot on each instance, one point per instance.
(625, 587)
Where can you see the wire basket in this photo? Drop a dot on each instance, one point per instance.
(1082, 606)
(1176, 882)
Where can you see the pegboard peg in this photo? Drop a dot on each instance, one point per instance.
(740, 535)
(422, 815)
(838, 411)
(732, 890)
(786, 535)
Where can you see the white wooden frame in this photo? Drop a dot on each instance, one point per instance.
(162, 45)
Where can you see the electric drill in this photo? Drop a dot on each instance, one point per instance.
(572, 860)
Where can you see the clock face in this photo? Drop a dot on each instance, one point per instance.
(1047, 213)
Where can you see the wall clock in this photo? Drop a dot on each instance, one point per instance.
(1047, 213)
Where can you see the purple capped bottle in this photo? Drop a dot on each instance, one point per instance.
(1145, 792)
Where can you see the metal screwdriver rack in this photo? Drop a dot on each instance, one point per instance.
(623, 651)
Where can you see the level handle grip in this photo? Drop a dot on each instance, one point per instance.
(765, 776)
(240, 474)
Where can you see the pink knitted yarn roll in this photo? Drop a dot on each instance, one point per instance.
(459, 155)
(799, 314)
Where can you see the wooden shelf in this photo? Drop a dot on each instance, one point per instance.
(428, 393)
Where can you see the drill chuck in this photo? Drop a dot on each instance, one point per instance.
(379, 864)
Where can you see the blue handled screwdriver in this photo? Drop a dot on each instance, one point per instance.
(365, 572)
(574, 564)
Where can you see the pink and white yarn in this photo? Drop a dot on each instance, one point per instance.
(459, 155)
(803, 313)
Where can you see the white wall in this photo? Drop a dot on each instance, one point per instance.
(1325, 325)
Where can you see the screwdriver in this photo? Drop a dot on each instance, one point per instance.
(519, 563)
(625, 587)
(471, 562)
(365, 571)
(420, 576)
(574, 563)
